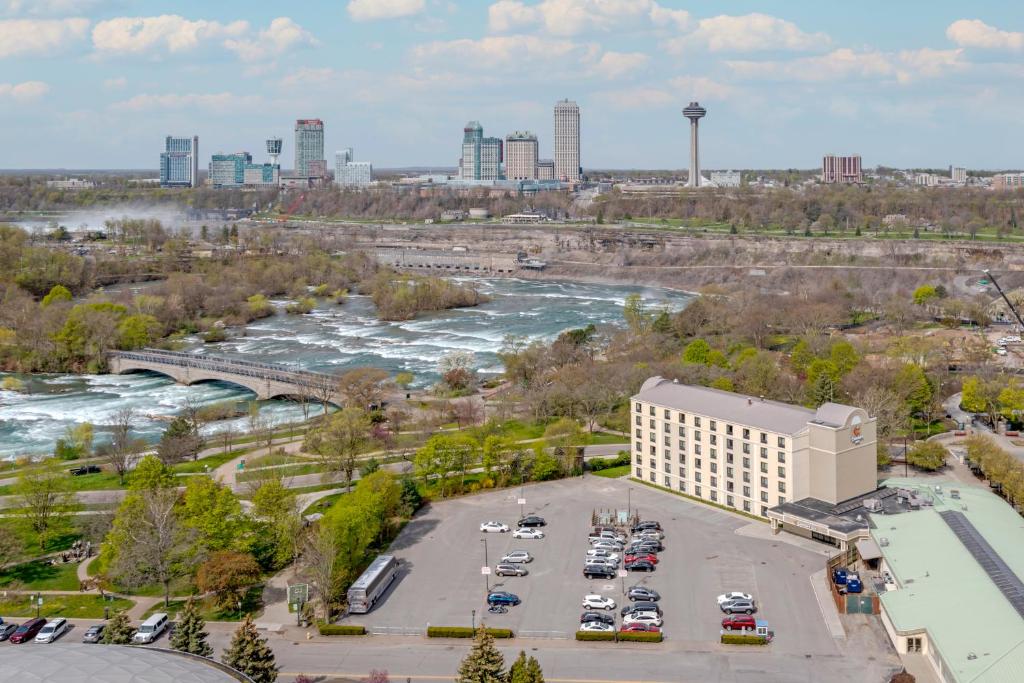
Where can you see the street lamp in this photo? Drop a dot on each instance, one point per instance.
(474, 621)
(487, 563)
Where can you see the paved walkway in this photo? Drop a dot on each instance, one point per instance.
(827, 605)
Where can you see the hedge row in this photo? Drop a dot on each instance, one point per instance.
(465, 632)
(341, 630)
(736, 639)
(621, 636)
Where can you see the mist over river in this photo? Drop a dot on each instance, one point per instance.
(331, 339)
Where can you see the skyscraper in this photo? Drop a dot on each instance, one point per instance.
(351, 173)
(695, 113)
(481, 157)
(567, 141)
(228, 170)
(521, 151)
(837, 169)
(309, 147)
(179, 162)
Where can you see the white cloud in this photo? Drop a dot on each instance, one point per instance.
(701, 88)
(282, 35)
(47, 7)
(38, 37)
(976, 33)
(930, 63)
(747, 33)
(115, 83)
(23, 92)
(306, 76)
(500, 51)
(572, 17)
(216, 102)
(640, 97)
(848, 64)
(369, 10)
(138, 35)
(619, 64)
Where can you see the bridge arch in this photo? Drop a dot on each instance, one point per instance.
(254, 385)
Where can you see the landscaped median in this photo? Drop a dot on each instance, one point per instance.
(739, 639)
(621, 636)
(71, 606)
(465, 632)
(341, 630)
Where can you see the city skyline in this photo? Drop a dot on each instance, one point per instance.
(787, 82)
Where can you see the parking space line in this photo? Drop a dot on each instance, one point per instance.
(431, 677)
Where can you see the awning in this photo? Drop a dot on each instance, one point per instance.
(868, 549)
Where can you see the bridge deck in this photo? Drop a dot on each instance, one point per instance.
(232, 366)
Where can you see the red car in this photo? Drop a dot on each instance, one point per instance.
(739, 622)
(649, 628)
(28, 630)
(650, 557)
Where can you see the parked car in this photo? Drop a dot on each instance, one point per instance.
(493, 527)
(642, 607)
(510, 569)
(597, 616)
(527, 532)
(607, 545)
(739, 622)
(736, 606)
(639, 566)
(650, 545)
(28, 630)
(853, 584)
(606, 561)
(601, 552)
(502, 598)
(650, 557)
(517, 556)
(653, 534)
(532, 520)
(597, 602)
(839, 576)
(726, 597)
(598, 571)
(643, 593)
(94, 634)
(607, 536)
(151, 628)
(53, 630)
(6, 630)
(597, 626)
(639, 626)
(642, 618)
(84, 469)
(646, 524)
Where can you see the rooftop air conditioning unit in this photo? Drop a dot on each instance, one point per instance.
(884, 542)
(872, 504)
(954, 493)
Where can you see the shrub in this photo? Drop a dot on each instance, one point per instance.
(465, 632)
(737, 639)
(341, 630)
(641, 636)
(598, 464)
(595, 635)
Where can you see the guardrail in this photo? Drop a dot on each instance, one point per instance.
(265, 371)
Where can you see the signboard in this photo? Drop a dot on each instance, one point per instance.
(521, 501)
(622, 573)
(298, 593)
(486, 571)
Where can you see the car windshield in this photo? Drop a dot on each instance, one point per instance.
(145, 629)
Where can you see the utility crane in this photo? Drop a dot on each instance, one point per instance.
(292, 207)
(1009, 304)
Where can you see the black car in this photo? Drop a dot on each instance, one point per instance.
(597, 616)
(6, 630)
(649, 524)
(532, 520)
(94, 634)
(643, 593)
(598, 571)
(650, 546)
(639, 566)
(642, 607)
(85, 469)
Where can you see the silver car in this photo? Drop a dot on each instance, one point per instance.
(517, 557)
(606, 561)
(739, 607)
(510, 569)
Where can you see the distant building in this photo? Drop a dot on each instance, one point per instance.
(726, 178)
(309, 148)
(958, 175)
(262, 175)
(481, 157)
(71, 184)
(546, 169)
(351, 173)
(521, 152)
(228, 170)
(837, 169)
(926, 179)
(1007, 181)
(179, 162)
(567, 141)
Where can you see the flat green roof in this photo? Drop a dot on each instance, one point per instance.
(977, 632)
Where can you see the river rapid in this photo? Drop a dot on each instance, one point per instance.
(332, 339)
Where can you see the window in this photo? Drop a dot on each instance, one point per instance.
(682, 486)
(651, 425)
(782, 487)
(714, 439)
(652, 411)
(728, 430)
(782, 500)
(782, 472)
(654, 450)
(682, 472)
(682, 456)
(638, 473)
(728, 458)
(696, 463)
(696, 477)
(746, 432)
(639, 408)
(696, 448)
(653, 478)
(668, 414)
(713, 426)
(714, 495)
(639, 421)
(696, 436)
(653, 464)
(728, 472)
(764, 468)
(666, 427)
(696, 490)
(764, 437)
(654, 437)
(714, 453)
(746, 463)
(728, 486)
(764, 510)
(668, 467)
(764, 482)
(728, 501)
(746, 506)
(728, 444)
(782, 442)
(764, 452)
(682, 431)
(714, 481)
(682, 418)
(668, 480)
(746, 448)
(714, 467)
(764, 496)
(639, 433)
(746, 491)
(668, 441)
(913, 644)
(746, 477)
(782, 457)
(696, 421)
(639, 458)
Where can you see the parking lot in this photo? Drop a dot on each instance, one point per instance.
(442, 551)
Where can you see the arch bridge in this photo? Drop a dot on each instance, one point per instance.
(266, 380)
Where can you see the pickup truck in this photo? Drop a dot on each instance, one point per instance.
(84, 469)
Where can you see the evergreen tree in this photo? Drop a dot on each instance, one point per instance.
(250, 654)
(525, 670)
(533, 671)
(484, 663)
(119, 630)
(189, 636)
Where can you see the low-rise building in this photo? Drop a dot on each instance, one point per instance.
(1007, 181)
(71, 184)
(726, 178)
(545, 169)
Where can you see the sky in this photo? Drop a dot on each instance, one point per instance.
(916, 83)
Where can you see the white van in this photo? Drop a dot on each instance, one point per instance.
(151, 628)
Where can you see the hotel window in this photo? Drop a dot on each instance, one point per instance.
(639, 408)
(764, 467)
(728, 472)
(714, 467)
(638, 474)
(668, 480)
(696, 448)
(764, 482)
(696, 436)
(668, 441)
(746, 448)
(782, 487)
(668, 414)
(696, 421)
(714, 453)
(653, 463)
(746, 491)
(746, 463)
(696, 477)
(682, 455)
(746, 433)
(729, 458)
(639, 457)
(666, 427)
(728, 486)
(714, 439)
(682, 472)
(746, 477)
(639, 433)
(654, 437)
(696, 463)
(728, 444)
(714, 495)
(653, 478)
(782, 472)
(639, 421)
(654, 450)
(713, 426)
(764, 496)
(746, 506)
(696, 490)
(764, 438)
(668, 467)
(782, 500)
(764, 452)
(782, 442)
(782, 457)
(682, 486)
(764, 510)
(682, 418)
(651, 425)
(714, 481)
(682, 430)
(652, 411)
(728, 429)
(728, 501)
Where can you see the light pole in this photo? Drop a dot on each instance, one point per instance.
(487, 563)
(629, 501)
(474, 621)
(522, 493)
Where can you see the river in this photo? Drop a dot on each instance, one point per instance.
(333, 339)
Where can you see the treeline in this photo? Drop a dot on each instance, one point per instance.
(403, 297)
(30, 193)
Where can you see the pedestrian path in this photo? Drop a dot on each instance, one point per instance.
(819, 584)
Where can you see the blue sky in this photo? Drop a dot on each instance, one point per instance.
(98, 83)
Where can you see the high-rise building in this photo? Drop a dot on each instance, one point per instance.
(521, 151)
(309, 148)
(836, 169)
(1008, 181)
(695, 113)
(481, 157)
(228, 170)
(351, 173)
(179, 162)
(567, 141)
(958, 175)
(546, 169)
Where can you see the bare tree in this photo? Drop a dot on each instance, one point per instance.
(467, 412)
(320, 550)
(323, 388)
(123, 449)
(45, 499)
(151, 542)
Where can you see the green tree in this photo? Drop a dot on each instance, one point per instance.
(717, 359)
(498, 452)
(404, 379)
(525, 670)
(119, 630)
(180, 441)
(45, 501)
(137, 331)
(635, 312)
(57, 293)
(190, 633)
(444, 454)
(278, 523)
(697, 352)
(150, 474)
(723, 383)
(915, 387)
(844, 357)
(801, 356)
(565, 438)
(339, 441)
(545, 466)
(484, 663)
(1011, 400)
(250, 654)
(214, 515)
(925, 294)
(662, 323)
(822, 381)
(927, 455)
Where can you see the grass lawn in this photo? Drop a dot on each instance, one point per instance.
(613, 472)
(30, 543)
(308, 489)
(41, 576)
(212, 462)
(272, 460)
(289, 471)
(601, 438)
(252, 603)
(322, 505)
(67, 606)
(86, 482)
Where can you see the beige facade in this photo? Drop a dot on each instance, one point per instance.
(748, 453)
(521, 156)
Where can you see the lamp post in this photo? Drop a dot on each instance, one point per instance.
(487, 563)
(905, 469)
(474, 621)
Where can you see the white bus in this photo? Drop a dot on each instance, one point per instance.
(368, 588)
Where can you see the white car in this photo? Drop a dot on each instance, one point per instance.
(598, 626)
(601, 552)
(527, 532)
(597, 602)
(53, 630)
(726, 597)
(517, 557)
(607, 545)
(649, 618)
(605, 561)
(493, 527)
